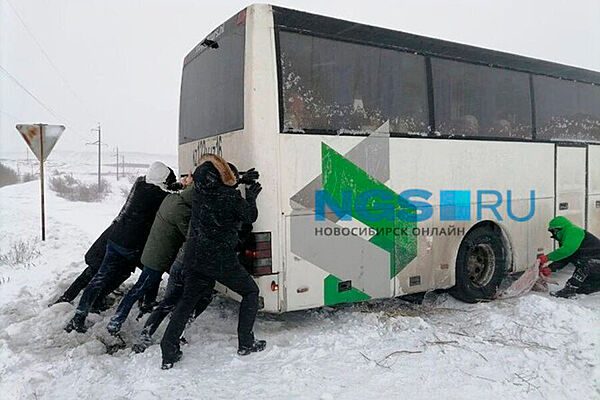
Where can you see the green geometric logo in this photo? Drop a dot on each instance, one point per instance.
(340, 176)
(370, 264)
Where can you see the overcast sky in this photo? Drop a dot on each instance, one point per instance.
(119, 61)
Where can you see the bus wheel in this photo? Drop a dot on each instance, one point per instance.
(481, 264)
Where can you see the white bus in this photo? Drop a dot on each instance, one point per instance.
(391, 163)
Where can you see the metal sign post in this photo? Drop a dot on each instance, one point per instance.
(48, 136)
(43, 197)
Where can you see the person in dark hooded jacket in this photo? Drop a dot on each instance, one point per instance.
(168, 232)
(578, 247)
(173, 294)
(218, 211)
(176, 280)
(128, 237)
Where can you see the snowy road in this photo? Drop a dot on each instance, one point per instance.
(534, 347)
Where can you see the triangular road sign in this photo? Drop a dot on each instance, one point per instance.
(50, 134)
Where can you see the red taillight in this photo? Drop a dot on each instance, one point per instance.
(257, 256)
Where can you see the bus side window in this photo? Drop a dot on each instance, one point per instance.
(475, 100)
(566, 110)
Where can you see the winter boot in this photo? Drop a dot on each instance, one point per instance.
(589, 286)
(169, 364)
(113, 327)
(77, 324)
(258, 345)
(145, 340)
(567, 292)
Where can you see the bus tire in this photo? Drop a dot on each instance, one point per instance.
(481, 264)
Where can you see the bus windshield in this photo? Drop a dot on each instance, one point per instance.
(212, 86)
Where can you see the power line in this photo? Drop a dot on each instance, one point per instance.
(56, 69)
(33, 96)
(37, 42)
(41, 103)
(29, 92)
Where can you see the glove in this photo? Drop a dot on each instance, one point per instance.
(545, 271)
(252, 191)
(249, 177)
(543, 259)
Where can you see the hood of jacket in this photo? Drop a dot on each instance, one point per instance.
(160, 175)
(561, 224)
(213, 171)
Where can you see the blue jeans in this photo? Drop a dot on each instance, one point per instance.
(172, 296)
(148, 279)
(169, 301)
(115, 258)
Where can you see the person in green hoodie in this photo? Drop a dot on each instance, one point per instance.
(168, 233)
(578, 247)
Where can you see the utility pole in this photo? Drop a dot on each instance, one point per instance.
(123, 164)
(117, 163)
(99, 156)
(99, 143)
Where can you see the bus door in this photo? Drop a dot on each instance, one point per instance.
(593, 214)
(570, 188)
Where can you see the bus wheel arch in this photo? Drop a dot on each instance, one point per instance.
(483, 260)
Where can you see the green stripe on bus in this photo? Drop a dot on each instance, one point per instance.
(333, 296)
(341, 175)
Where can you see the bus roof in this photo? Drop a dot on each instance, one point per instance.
(338, 29)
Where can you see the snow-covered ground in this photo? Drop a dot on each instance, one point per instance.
(531, 347)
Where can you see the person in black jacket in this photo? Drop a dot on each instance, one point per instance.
(126, 241)
(218, 210)
(93, 259)
(176, 280)
(174, 289)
